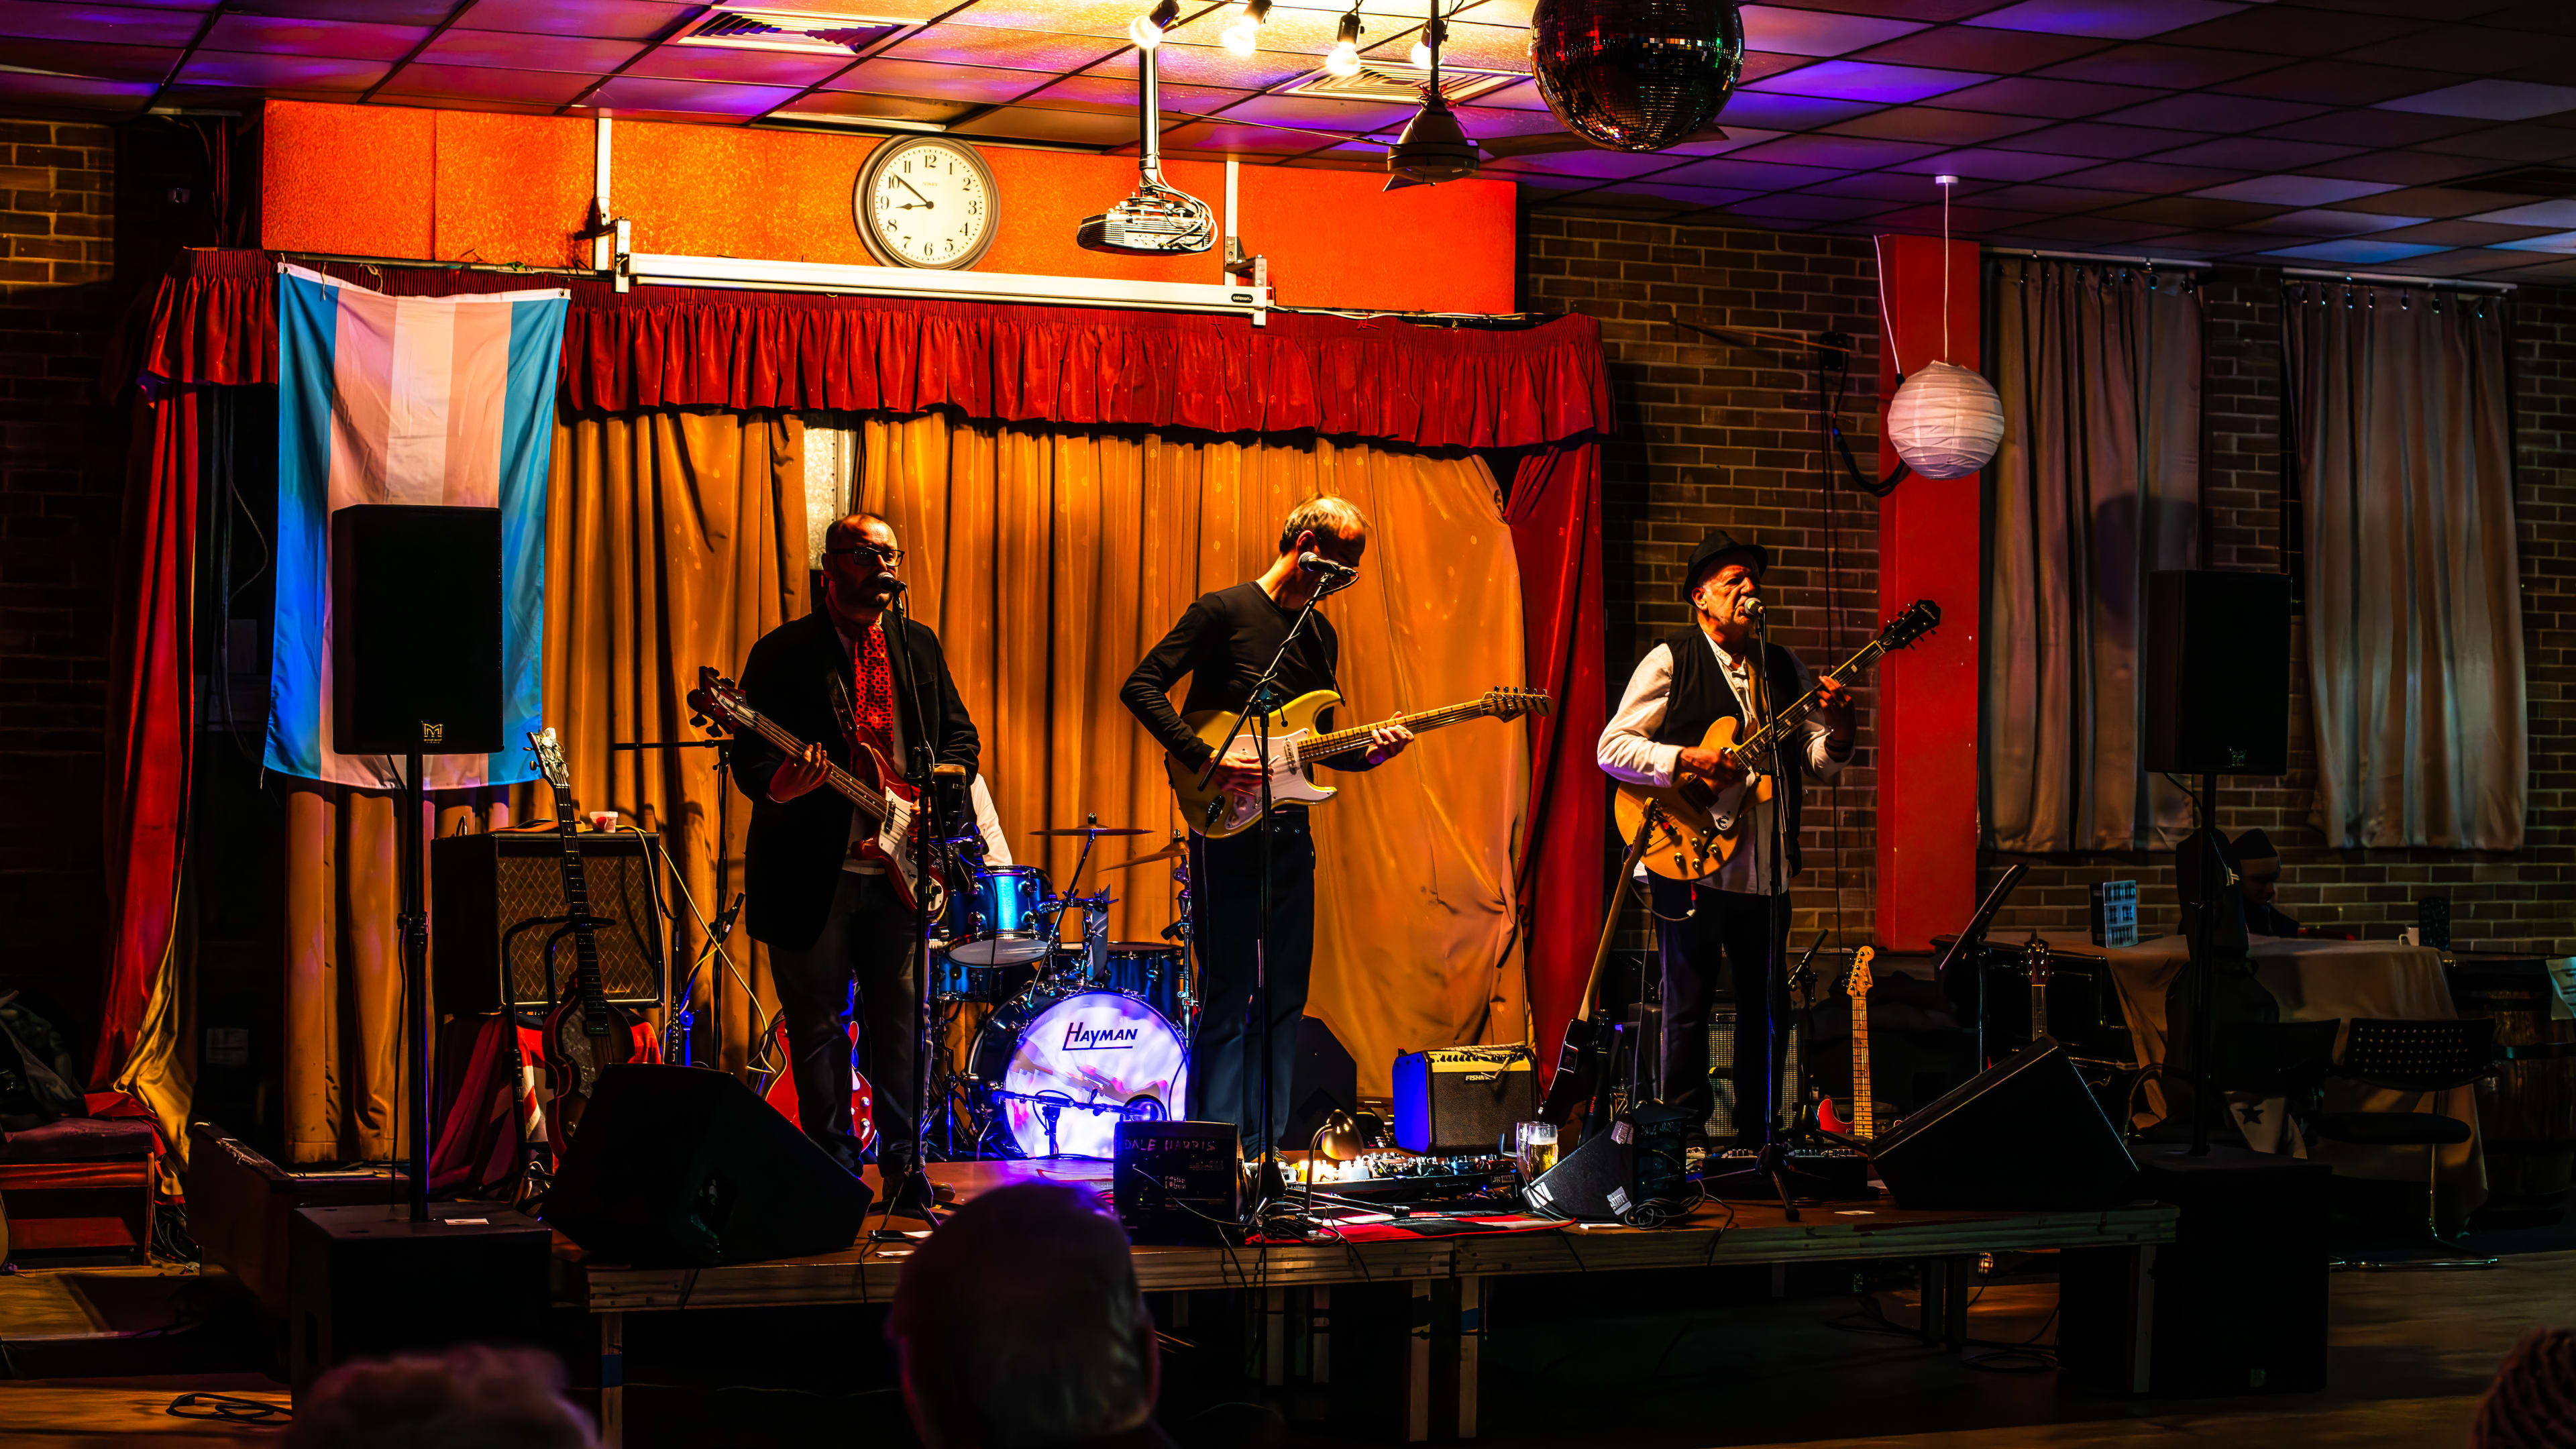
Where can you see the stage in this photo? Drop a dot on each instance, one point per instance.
(1446, 1273)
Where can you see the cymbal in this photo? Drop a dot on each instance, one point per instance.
(1174, 851)
(1093, 830)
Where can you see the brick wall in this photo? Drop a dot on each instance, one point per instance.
(61, 458)
(1720, 432)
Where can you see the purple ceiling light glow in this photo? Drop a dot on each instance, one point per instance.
(2362, 253)
(2109, 19)
(1861, 80)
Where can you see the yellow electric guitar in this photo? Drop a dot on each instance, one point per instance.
(1703, 821)
(1296, 747)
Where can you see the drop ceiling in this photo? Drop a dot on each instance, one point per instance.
(2433, 137)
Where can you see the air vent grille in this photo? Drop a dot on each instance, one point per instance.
(736, 28)
(1402, 83)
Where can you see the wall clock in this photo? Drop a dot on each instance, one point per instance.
(927, 201)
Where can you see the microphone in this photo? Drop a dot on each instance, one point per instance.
(886, 583)
(1751, 607)
(1322, 565)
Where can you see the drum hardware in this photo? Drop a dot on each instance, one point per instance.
(1177, 850)
(1093, 831)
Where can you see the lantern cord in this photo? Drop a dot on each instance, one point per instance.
(1945, 271)
(1837, 367)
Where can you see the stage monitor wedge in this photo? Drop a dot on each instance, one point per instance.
(2025, 1135)
(2214, 676)
(416, 630)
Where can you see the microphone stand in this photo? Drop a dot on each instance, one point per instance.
(919, 755)
(1256, 712)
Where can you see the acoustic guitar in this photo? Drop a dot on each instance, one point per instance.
(586, 1033)
(1295, 748)
(1703, 820)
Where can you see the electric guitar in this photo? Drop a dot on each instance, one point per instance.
(875, 786)
(1703, 821)
(586, 1033)
(1578, 1060)
(1864, 1114)
(1295, 748)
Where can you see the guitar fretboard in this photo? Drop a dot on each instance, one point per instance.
(1759, 743)
(1864, 1116)
(1342, 742)
(839, 779)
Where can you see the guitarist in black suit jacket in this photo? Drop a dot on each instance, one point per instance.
(829, 918)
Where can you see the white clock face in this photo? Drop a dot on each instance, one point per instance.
(928, 204)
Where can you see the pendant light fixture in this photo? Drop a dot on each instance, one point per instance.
(1433, 148)
(1946, 421)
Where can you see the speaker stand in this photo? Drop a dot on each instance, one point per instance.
(413, 926)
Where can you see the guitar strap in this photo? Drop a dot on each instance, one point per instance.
(844, 708)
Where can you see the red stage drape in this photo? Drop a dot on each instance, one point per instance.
(1385, 379)
(1555, 517)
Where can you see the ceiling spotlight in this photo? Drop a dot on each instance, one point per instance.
(1344, 59)
(1240, 36)
(1147, 30)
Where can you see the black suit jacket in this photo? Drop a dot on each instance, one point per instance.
(797, 848)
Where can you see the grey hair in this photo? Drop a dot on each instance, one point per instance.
(1325, 514)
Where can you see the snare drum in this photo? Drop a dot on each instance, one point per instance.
(1007, 920)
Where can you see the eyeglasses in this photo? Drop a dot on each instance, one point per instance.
(890, 555)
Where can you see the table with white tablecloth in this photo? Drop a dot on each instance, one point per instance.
(2323, 981)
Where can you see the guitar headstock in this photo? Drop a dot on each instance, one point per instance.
(1920, 618)
(1513, 703)
(548, 748)
(2037, 959)
(1857, 983)
(719, 703)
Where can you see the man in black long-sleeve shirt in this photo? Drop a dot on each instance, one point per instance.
(1223, 642)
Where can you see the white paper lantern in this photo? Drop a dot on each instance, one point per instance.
(1946, 422)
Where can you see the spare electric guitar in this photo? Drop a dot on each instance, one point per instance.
(1587, 1036)
(1295, 749)
(873, 784)
(586, 1033)
(1864, 1114)
(1703, 820)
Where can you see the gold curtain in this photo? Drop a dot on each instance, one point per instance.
(673, 539)
(1050, 561)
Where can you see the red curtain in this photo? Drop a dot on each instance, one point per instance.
(1555, 517)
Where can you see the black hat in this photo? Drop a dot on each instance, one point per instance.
(1718, 544)
(2253, 845)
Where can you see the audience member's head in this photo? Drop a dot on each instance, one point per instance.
(2532, 1404)
(465, 1398)
(1019, 1325)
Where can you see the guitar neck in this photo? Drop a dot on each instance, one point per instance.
(1342, 742)
(841, 780)
(1796, 714)
(1863, 1114)
(585, 947)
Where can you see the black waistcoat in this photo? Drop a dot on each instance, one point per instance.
(1701, 696)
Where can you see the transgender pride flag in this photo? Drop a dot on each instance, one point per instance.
(446, 400)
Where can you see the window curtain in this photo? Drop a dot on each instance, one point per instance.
(1051, 559)
(674, 539)
(2401, 418)
(2096, 486)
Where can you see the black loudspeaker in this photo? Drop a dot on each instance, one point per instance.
(2024, 1135)
(1462, 1099)
(684, 1166)
(2240, 1295)
(2215, 682)
(1177, 1182)
(487, 886)
(1609, 1175)
(364, 1282)
(415, 630)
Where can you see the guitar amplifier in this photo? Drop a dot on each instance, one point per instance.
(1462, 1099)
(484, 889)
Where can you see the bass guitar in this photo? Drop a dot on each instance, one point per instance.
(586, 1033)
(1703, 820)
(1578, 1060)
(1296, 747)
(875, 786)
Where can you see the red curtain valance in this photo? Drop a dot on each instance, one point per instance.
(1380, 378)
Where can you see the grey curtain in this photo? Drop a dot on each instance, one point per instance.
(2401, 415)
(2096, 485)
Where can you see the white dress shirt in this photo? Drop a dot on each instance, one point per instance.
(1628, 751)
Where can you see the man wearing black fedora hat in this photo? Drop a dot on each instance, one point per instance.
(1732, 918)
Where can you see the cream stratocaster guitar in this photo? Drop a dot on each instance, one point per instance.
(1295, 748)
(876, 787)
(1703, 821)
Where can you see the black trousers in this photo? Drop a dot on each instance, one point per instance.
(1225, 924)
(1703, 936)
(870, 942)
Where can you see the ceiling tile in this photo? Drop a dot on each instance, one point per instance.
(2292, 30)
(1669, 191)
(1762, 65)
(1736, 138)
(1860, 80)
(2371, 128)
(2093, 138)
(100, 24)
(2469, 50)
(508, 51)
(1009, 49)
(383, 12)
(750, 67)
(2491, 100)
(2193, 211)
(2093, 231)
(75, 59)
(2466, 262)
(2180, 67)
(1487, 123)
(1788, 113)
(2056, 199)
(2546, 272)
(1895, 186)
(296, 72)
(1088, 128)
(2508, 143)
(483, 82)
(2256, 153)
(2557, 241)
(600, 19)
(2486, 234)
(2561, 212)
(2294, 190)
(2223, 114)
(1066, 17)
(855, 106)
(1518, 96)
(1749, 175)
(1971, 220)
(2024, 96)
(1816, 32)
(1842, 153)
(1796, 207)
(1118, 94)
(2329, 221)
(72, 92)
(2406, 168)
(1483, 47)
(2357, 252)
(930, 80)
(1303, 32)
(1502, 12)
(696, 97)
(2449, 201)
(1321, 113)
(2115, 19)
(1206, 65)
(489, 106)
(341, 39)
(2000, 52)
(2153, 178)
(2334, 83)
(1938, 128)
(1931, 10)
(2551, 15)
(1987, 164)
(1596, 164)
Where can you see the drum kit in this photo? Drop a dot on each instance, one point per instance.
(1081, 1036)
